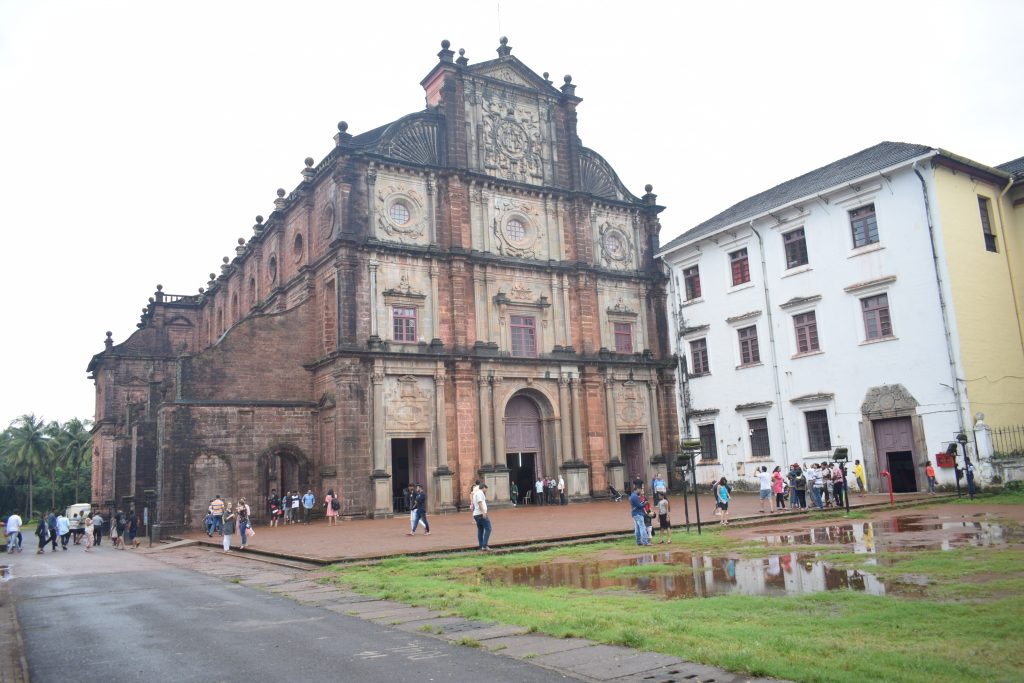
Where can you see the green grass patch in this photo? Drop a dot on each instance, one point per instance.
(863, 637)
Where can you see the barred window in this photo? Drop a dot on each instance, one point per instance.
(985, 209)
(699, 357)
(864, 225)
(759, 445)
(796, 248)
(708, 442)
(818, 438)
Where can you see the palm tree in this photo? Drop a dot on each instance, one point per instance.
(28, 449)
(75, 445)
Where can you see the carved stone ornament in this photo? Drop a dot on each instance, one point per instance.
(516, 227)
(404, 288)
(407, 405)
(512, 141)
(327, 220)
(400, 212)
(616, 247)
(888, 398)
(520, 292)
(620, 308)
(631, 408)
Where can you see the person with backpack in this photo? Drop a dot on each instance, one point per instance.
(419, 511)
(800, 488)
(43, 533)
(332, 506)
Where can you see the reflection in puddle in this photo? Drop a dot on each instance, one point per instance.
(5, 572)
(678, 574)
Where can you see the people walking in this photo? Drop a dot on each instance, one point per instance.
(294, 503)
(929, 472)
(419, 511)
(664, 525)
(63, 530)
(133, 529)
(331, 507)
(227, 526)
(13, 529)
(800, 487)
(636, 511)
(43, 534)
(51, 523)
(778, 488)
(217, 510)
(764, 482)
(858, 473)
(308, 501)
(814, 475)
(482, 519)
(723, 499)
(838, 485)
(242, 511)
(97, 528)
(88, 534)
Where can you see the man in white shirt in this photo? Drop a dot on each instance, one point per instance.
(764, 481)
(561, 490)
(539, 489)
(480, 516)
(13, 528)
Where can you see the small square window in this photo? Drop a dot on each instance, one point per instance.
(740, 267)
(699, 357)
(877, 323)
(691, 281)
(403, 321)
(985, 209)
(806, 328)
(864, 225)
(623, 338)
(818, 438)
(796, 248)
(749, 352)
(524, 335)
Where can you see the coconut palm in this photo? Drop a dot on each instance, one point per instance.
(75, 444)
(28, 450)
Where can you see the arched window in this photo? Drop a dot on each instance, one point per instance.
(252, 291)
(272, 268)
(297, 248)
(234, 307)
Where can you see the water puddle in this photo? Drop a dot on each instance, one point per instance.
(5, 572)
(679, 574)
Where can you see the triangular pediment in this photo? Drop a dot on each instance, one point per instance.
(511, 70)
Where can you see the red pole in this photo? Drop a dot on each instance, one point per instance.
(888, 481)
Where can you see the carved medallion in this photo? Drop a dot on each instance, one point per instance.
(400, 212)
(517, 228)
(327, 220)
(512, 140)
(616, 247)
(408, 405)
(630, 405)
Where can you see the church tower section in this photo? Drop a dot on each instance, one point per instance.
(464, 293)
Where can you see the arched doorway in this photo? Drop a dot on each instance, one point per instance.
(284, 470)
(523, 443)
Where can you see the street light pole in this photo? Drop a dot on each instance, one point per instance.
(962, 440)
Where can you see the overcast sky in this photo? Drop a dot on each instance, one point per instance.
(138, 140)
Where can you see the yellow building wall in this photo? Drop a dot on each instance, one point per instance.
(986, 293)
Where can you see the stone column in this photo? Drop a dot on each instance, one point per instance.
(565, 416)
(652, 393)
(479, 282)
(435, 321)
(497, 481)
(443, 492)
(374, 334)
(483, 387)
(566, 325)
(431, 221)
(380, 478)
(559, 325)
(609, 412)
(577, 424)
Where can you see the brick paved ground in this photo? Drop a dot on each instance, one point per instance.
(372, 538)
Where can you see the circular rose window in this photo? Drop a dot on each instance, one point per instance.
(399, 213)
(516, 230)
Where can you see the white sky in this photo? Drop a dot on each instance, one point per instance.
(138, 140)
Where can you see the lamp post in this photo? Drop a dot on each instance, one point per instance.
(951, 451)
(689, 449)
(961, 438)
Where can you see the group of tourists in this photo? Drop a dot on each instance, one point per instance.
(84, 528)
(644, 512)
(292, 508)
(547, 491)
(827, 483)
(224, 519)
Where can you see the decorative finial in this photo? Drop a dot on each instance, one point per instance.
(309, 162)
(342, 135)
(462, 60)
(445, 55)
(504, 50)
(648, 187)
(281, 193)
(152, 300)
(343, 126)
(259, 220)
(226, 260)
(445, 44)
(108, 342)
(568, 78)
(568, 89)
(202, 289)
(308, 172)
(213, 276)
(241, 241)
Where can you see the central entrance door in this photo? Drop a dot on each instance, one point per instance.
(894, 443)
(408, 466)
(632, 449)
(523, 443)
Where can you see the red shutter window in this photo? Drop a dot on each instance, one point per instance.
(864, 226)
(796, 248)
(699, 357)
(740, 267)
(691, 280)
(404, 324)
(749, 352)
(524, 335)
(877, 323)
(806, 332)
(623, 338)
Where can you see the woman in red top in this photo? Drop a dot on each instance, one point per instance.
(929, 472)
(777, 488)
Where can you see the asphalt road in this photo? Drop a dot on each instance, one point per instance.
(113, 616)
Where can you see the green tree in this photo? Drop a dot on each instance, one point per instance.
(27, 450)
(75, 444)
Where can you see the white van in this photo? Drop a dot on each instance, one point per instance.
(82, 510)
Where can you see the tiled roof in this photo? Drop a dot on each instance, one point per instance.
(865, 162)
(1015, 167)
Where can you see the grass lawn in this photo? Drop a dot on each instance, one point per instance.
(968, 627)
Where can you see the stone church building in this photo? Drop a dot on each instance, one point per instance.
(466, 292)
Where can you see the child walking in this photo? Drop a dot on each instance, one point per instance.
(723, 500)
(663, 524)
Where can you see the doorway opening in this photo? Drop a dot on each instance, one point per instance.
(901, 467)
(283, 475)
(522, 471)
(408, 466)
(632, 448)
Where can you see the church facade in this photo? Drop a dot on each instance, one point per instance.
(464, 293)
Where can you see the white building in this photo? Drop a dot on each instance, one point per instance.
(820, 314)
